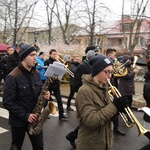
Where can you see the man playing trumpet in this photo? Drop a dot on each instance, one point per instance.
(95, 110)
(55, 85)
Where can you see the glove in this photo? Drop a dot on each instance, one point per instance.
(121, 103)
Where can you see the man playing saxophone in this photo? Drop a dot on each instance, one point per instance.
(21, 91)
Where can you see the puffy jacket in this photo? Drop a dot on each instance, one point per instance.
(21, 92)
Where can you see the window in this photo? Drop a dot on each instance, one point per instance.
(126, 27)
(120, 41)
(139, 41)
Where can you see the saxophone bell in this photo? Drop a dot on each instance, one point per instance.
(37, 127)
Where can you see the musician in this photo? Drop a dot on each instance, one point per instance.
(94, 108)
(73, 66)
(55, 85)
(40, 65)
(22, 88)
(126, 83)
(112, 53)
(83, 68)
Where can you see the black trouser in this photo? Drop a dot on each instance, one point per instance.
(146, 147)
(18, 135)
(70, 95)
(58, 98)
(73, 134)
(116, 123)
(130, 100)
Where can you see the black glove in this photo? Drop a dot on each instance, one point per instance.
(121, 103)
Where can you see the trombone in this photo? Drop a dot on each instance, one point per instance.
(113, 91)
(62, 61)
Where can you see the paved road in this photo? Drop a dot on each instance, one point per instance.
(55, 131)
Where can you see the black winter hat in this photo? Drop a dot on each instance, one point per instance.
(41, 53)
(94, 48)
(25, 50)
(98, 63)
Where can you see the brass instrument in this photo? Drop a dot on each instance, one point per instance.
(135, 58)
(42, 113)
(113, 91)
(62, 61)
(120, 69)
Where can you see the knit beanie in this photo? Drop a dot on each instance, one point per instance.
(98, 63)
(94, 48)
(25, 50)
(90, 54)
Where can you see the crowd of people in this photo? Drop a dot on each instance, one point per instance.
(24, 75)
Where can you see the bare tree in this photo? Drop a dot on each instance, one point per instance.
(65, 9)
(50, 4)
(17, 18)
(92, 14)
(138, 10)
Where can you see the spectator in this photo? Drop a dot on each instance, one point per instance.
(13, 60)
(3, 61)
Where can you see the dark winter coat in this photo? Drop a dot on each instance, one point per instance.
(56, 83)
(146, 94)
(12, 62)
(126, 83)
(21, 92)
(83, 68)
(94, 111)
(3, 64)
(73, 66)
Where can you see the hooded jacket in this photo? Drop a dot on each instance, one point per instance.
(94, 112)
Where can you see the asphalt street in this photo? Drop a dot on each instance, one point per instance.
(56, 130)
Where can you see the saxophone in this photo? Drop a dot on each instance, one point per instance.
(41, 112)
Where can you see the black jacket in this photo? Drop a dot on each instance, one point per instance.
(55, 84)
(21, 92)
(83, 68)
(73, 66)
(12, 62)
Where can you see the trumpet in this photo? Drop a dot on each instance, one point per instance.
(142, 131)
(135, 58)
(62, 61)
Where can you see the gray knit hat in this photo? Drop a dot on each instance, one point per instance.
(90, 54)
(98, 63)
(25, 50)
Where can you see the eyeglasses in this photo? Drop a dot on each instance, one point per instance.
(107, 72)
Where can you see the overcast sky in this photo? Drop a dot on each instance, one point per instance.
(114, 5)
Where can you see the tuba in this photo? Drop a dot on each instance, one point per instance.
(114, 92)
(41, 112)
(120, 69)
